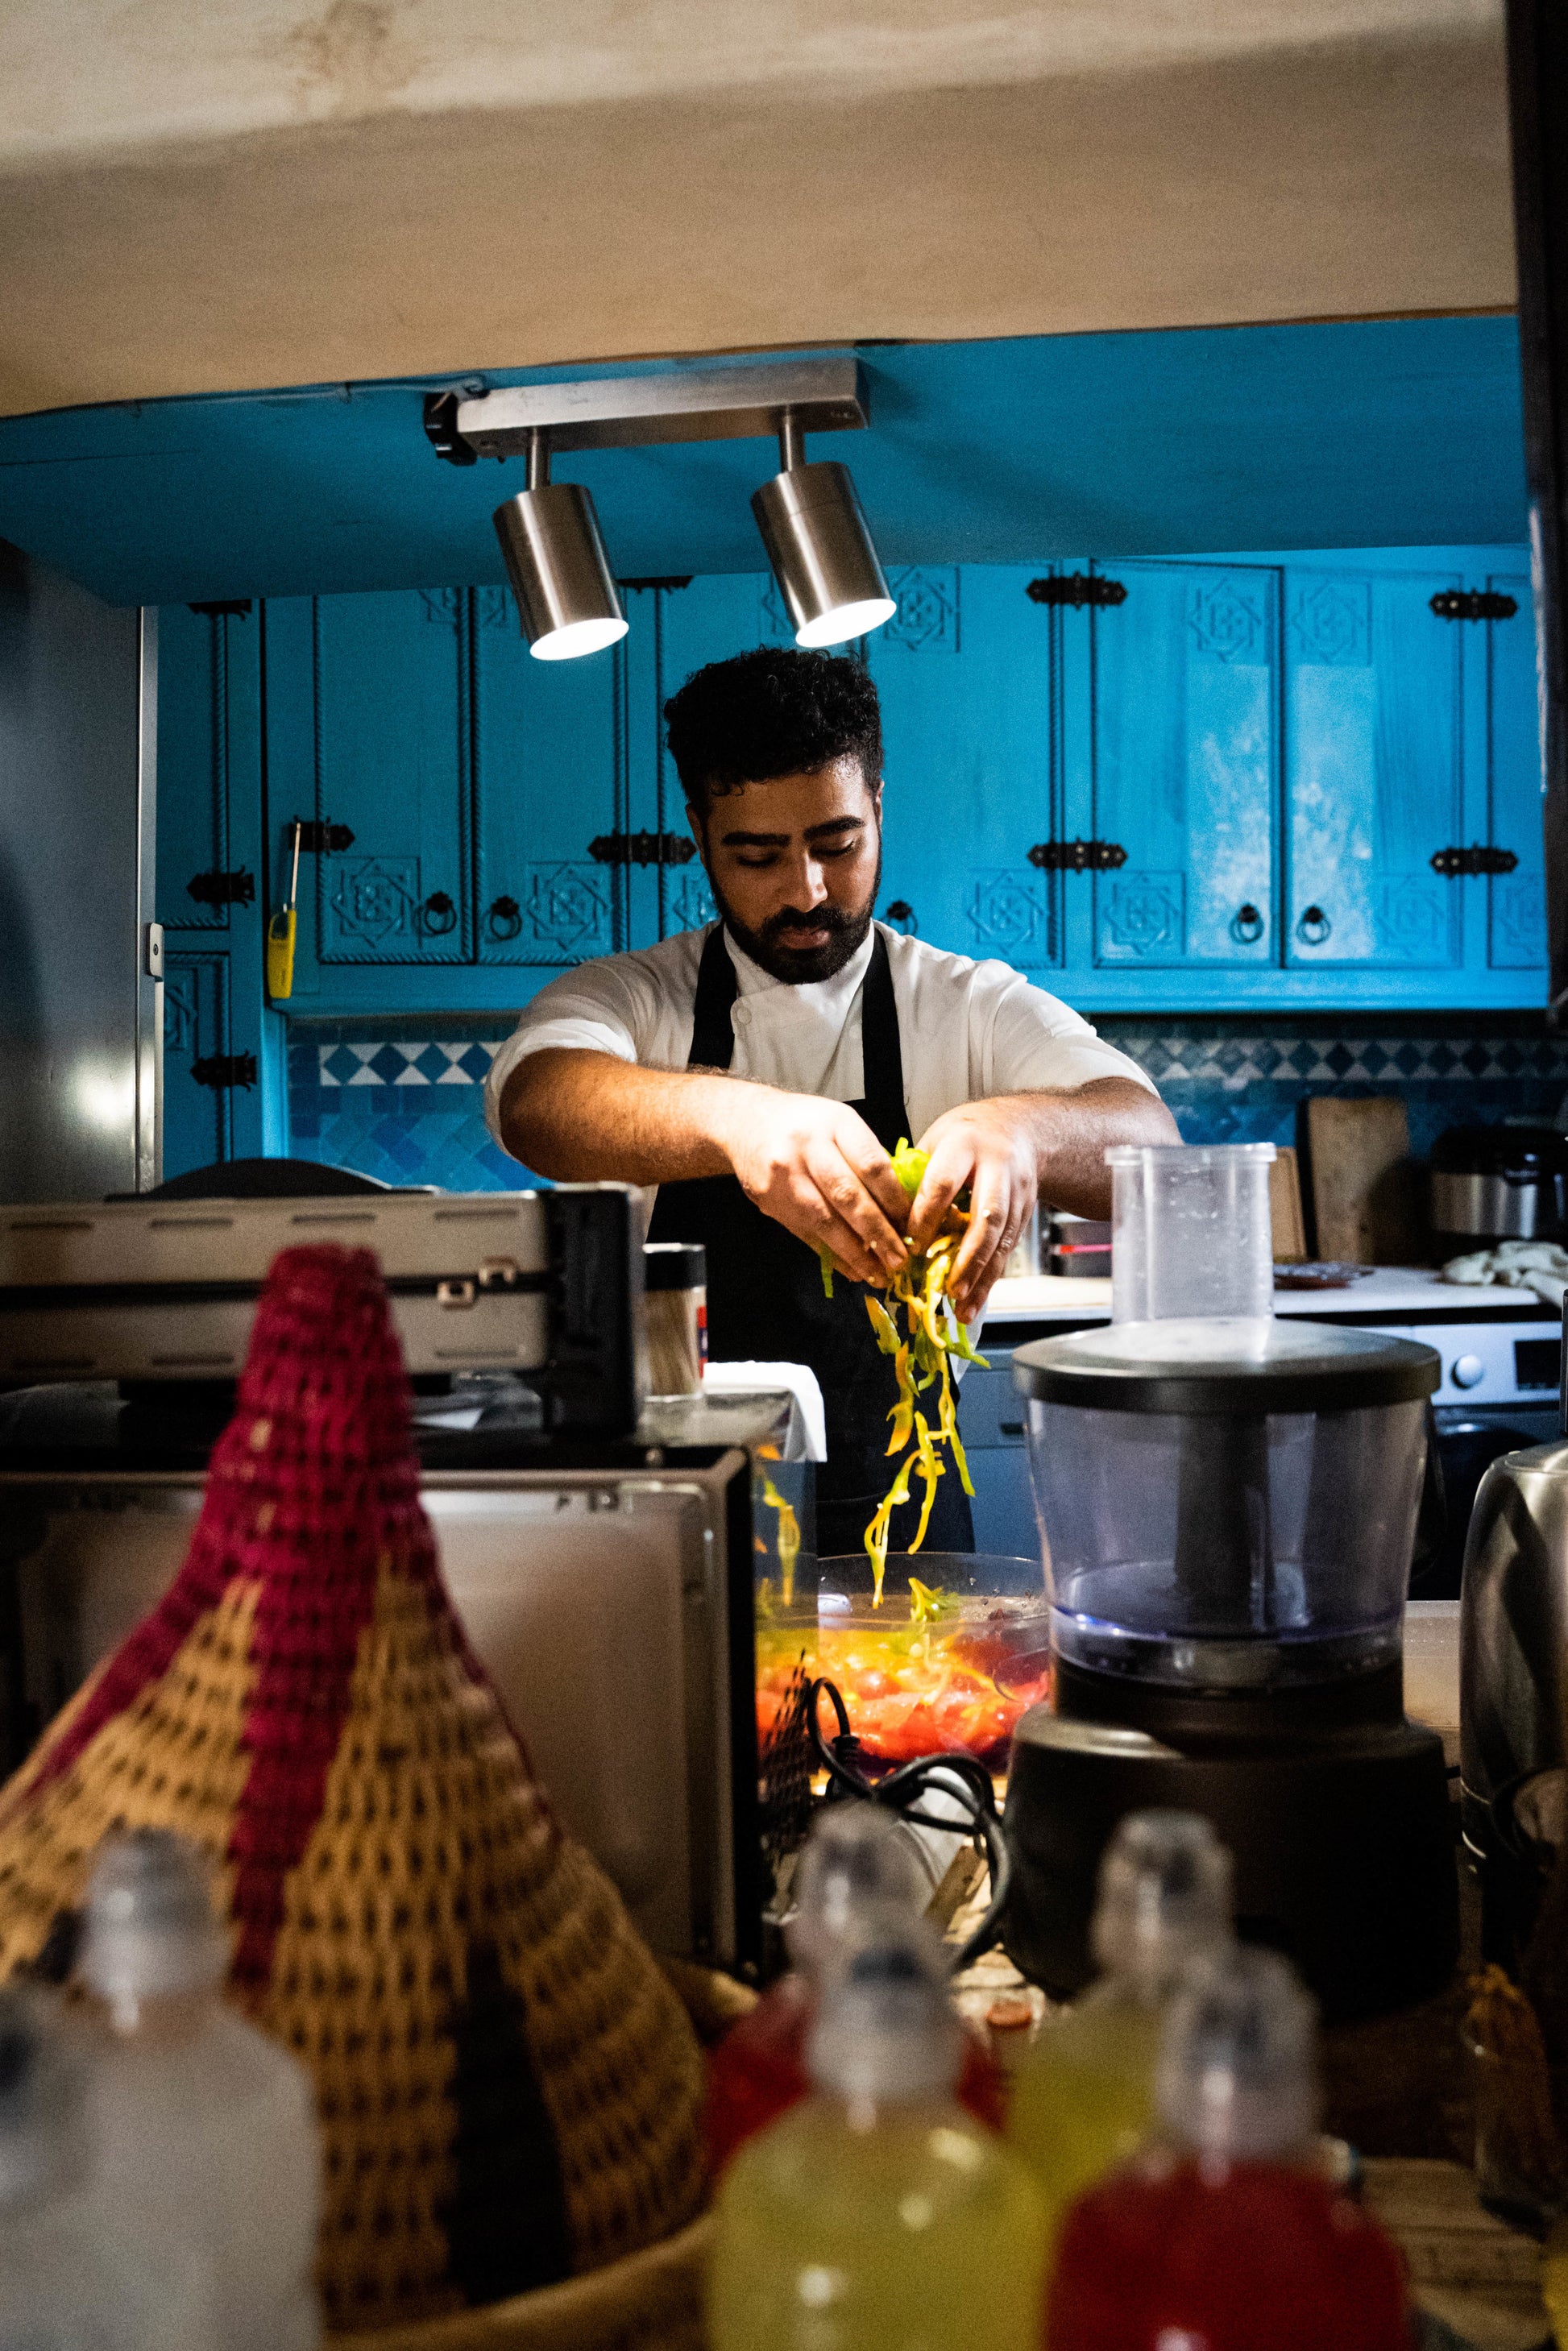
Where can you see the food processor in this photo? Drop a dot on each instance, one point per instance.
(1227, 1507)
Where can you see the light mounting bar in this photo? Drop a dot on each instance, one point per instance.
(732, 403)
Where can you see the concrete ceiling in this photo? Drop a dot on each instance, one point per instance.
(271, 191)
(84, 76)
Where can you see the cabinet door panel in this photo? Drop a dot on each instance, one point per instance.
(1374, 760)
(389, 715)
(550, 778)
(967, 670)
(1515, 902)
(206, 750)
(1185, 766)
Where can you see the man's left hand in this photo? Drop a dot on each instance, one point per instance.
(1010, 1148)
(992, 1150)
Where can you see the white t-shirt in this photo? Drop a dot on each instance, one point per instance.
(966, 1029)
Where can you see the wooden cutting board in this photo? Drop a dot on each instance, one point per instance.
(1285, 1209)
(1366, 1199)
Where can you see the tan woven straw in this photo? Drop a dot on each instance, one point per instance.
(509, 2088)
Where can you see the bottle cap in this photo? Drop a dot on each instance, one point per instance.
(884, 2030)
(42, 2140)
(859, 1878)
(1165, 1896)
(149, 1931)
(1236, 2071)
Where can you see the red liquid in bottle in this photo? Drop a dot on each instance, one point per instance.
(1252, 2257)
(758, 2072)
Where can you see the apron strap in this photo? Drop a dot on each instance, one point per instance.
(713, 1032)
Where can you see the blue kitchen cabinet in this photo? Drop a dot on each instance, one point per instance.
(368, 731)
(1184, 765)
(969, 674)
(210, 884)
(1515, 902)
(707, 619)
(549, 779)
(1375, 769)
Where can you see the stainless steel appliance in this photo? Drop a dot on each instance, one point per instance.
(82, 1018)
(1498, 1184)
(1513, 1685)
(546, 1285)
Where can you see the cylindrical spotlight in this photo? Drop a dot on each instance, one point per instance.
(568, 601)
(820, 549)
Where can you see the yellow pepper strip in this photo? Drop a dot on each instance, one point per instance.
(903, 1413)
(883, 1323)
(877, 1533)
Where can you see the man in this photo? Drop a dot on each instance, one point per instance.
(761, 1073)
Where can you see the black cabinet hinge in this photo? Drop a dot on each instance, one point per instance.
(1475, 859)
(216, 889)
(642, 849)
(1078, 856)
(238, 607)
(1078, 589)
(220, 1071)
(318, 840)
(1473, 604)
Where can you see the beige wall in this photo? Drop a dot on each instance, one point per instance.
(219, 197)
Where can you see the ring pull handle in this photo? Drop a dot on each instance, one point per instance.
(1313, 927)
(504, 918)
(902, 915)
(1247, 925)
(438, 914)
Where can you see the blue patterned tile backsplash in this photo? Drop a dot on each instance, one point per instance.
(403, 1100)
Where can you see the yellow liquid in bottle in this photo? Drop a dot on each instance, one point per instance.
(917, 2234)
(1083, 2100)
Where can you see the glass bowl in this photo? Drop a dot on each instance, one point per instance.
(957, 1650)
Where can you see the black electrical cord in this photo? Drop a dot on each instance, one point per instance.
(901, 1792)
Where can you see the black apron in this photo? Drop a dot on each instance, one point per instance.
(765, 1296)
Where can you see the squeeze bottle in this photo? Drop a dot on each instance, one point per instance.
(877, 2215)
(1082, 2098)
(204, 2128)
(1222, 2236)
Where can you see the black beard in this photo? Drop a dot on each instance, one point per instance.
(800, 965)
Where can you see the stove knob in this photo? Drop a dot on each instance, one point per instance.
(1469, 1371)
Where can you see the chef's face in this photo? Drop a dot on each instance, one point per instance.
(795, 864)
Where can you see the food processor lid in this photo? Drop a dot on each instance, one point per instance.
(1211, 1365)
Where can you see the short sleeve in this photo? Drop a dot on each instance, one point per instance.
(1039, 1042)
(593, 1010)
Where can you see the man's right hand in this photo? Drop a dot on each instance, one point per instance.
(817, 1168)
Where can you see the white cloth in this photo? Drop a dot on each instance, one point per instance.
(1540, 1266)
(748, 1378)
(968, 1029)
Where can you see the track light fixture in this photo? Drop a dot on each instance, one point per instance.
(568, 601)
(819, 547)
(808, 515)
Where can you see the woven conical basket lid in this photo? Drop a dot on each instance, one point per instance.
(509, 2089)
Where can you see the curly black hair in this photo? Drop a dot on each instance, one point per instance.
(774, 712)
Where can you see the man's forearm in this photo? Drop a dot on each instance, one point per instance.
(1073, 1129)
(583, 1117)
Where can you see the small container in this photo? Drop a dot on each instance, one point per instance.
(676, 1279)
(1191, 1232)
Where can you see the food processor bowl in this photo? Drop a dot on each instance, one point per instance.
(1227, 1506)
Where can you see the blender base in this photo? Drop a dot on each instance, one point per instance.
(1343, 1844)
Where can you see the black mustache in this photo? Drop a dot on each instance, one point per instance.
(821, 918)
